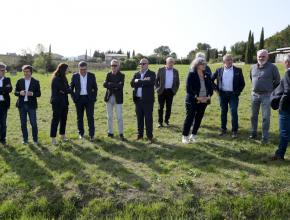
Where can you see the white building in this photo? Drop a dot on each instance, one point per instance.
(110, 56)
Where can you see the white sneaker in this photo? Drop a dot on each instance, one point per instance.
(192, 138)
(53, 141)
(185, 140)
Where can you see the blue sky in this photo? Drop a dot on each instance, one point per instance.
(72, 26)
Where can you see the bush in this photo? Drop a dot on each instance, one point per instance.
(129, 64)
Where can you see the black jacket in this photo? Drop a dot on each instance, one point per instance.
(5, 90)
(92, 88)
(280, 97)
(114, 85)
(238, 80)
(146, 85)
(193, 86)
(33, 87)
(59, 91)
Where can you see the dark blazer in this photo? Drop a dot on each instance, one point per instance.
(238, 80)
(160, 81)
(92, 88)
(5, 90)
(59, 91)
(193, 86)
(147, 86)
(114, 85)
(33, 87)
(280, 97)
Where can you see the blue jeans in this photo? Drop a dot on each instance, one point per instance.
(257, 101)
(229, 99)
(284, 124)
(31, 112)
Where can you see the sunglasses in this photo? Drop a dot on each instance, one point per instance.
(142, 64)
(114, 65)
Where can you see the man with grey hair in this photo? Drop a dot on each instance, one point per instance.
(114, 84)
(283, 92)
(265, 78)
(166, 85)
(230, 83)
(84, 91)
(5, 89)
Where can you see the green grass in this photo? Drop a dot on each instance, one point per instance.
(215, 178)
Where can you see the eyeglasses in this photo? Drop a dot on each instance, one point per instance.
(142, 64)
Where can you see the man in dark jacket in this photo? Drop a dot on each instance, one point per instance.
(283, 90)
(28, 90)
(166, 85)
(5, 89)
(84, 94)
(143, 96)
(229, 85)
(114, 84)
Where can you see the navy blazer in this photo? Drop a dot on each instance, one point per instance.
(146, 85)
(193, 86)
(5, 90)
(114, 85)
(92, 88)
(238, 80)
(33, 87)
(59, 91)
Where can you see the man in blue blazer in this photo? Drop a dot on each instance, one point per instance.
(27, 90)
(5, 89)
(84, 94)
(143, 96)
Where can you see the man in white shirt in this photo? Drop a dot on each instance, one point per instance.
(5, 89)
(166, 85)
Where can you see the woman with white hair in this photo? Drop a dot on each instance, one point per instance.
(198, 92)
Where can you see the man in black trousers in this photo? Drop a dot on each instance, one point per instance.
(84, 94)
(143, 97)
(5, 89)
(28, 90)
(166, 85)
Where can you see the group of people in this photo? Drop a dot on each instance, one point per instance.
(227, 81)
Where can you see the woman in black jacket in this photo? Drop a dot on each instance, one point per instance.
(198, 92)
(59, 101)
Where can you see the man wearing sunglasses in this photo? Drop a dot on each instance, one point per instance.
(143, 97)
(5, 89)
(84, 94)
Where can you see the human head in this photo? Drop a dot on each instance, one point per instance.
(27, 71)
(198, 64)
(228, 60)
(144, 64)
(2, 69)
(83, 67)
(170, 62)
(262, 56)
(115, 65)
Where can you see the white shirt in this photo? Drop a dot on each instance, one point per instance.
(227, 79)
(139, 90)
(84, 80)
(1, 85)
(27, 84)
(168, 79)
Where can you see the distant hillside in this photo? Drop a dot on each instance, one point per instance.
(279, 40)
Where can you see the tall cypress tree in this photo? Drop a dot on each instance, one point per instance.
(253, 49)
(262, 40)
(248, 48)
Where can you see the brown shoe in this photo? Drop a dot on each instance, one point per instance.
(222, 132)
(276, 157)
(139, 137)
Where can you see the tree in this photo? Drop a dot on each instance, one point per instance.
(133, 54)
(39, 49)
(238, 50)
(162, 51)
(248, 49)
(191, 55)
(174, 55)
(202, 47)
(262, 40)
(128, 54)
(86, 55)
(39, 64)
(224, 52)
(207, 55)
(120, 52)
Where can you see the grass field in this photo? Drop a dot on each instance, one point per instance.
(215, 178)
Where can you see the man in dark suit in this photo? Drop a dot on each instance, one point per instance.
(143, 96)
(166, 85)
(230, 84)
(84, 94)
(5, 89)
(28, 89)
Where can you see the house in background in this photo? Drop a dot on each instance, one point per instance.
(110, 56)
(278, 55)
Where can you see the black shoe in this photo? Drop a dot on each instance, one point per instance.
(276, 157)
(151, 140)
(24, 142)
(110, 135)
(122, 137)
(160, 125)
(3, 142)
(253, 136)
(222, 132)
(139, 137)
(167, 124)
(81, 137)
(264, 141)
(91, 138)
